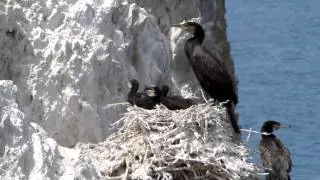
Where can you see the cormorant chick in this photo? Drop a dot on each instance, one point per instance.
(274, 155)
(212, 74)
(146, 100)
(173, 102)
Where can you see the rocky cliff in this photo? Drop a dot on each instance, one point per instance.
(65, 65)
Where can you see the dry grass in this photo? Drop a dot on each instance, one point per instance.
(196, 143)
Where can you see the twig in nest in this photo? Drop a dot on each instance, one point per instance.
(115, 104)
(181, 143)
(257, 132)
(203, 96)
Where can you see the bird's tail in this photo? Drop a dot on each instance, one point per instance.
(233, 117)
(289, 177)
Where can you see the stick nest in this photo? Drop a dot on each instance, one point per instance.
(196, 143)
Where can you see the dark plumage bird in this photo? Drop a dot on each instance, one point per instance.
(173, 102)
(274, 155)
(146, 100)
(209, 70)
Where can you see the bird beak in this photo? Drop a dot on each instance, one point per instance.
(176, 25)
(184, 27)
(283, 126)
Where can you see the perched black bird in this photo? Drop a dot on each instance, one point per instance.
(274, 155)
(147, 99)
(209, 70)
(173, 102)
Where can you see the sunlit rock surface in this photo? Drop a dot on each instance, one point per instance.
(67, 64)
(26, 152)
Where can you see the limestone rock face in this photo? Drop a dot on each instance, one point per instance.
(72, 59)
(65, 65)
(26, 152)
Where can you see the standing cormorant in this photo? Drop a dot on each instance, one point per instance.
(146, 100)
(173, 102)
(209, 70)
(274, 155)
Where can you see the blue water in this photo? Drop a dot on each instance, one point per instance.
(276, 49)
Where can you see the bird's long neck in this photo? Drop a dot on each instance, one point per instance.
(196, 40)
(134, 89)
